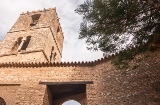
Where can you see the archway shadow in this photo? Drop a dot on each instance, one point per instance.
(2, 101)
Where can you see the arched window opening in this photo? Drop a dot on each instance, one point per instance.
(21, 44)
(71, 102)
(52, 54)
(17, 44)
(58, 29)
(2, 102)
(25, 44)
(35, 19)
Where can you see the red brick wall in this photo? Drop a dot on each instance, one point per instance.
(110, 86)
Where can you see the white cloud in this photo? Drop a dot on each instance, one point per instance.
(73, 49)
(71, 102)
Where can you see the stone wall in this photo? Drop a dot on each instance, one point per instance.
(30, 91)
(30, 57)
(8, 93)
(110, 86)
(30, 94)
(47, 100)
(132, 86)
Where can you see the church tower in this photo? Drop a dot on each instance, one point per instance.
(35, 37)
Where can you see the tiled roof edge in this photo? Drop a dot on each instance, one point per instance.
(54, 64)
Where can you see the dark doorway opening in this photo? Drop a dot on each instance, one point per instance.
(66, 90)
(63, 91)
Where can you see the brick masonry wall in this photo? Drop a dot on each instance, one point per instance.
(30, 92)
(110, 86)
(29, 57)
(7, 92)
(133, 86)
(47, 100)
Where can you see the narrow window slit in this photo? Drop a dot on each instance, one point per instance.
(17, 43)
(25, 44)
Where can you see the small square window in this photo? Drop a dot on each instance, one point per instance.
(35, 19)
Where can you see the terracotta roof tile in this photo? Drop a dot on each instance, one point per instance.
(49, 64)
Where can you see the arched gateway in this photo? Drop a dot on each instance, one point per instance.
(60, 92)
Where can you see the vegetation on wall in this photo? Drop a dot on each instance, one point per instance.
(122, 60)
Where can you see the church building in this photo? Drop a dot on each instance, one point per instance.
(31, 71)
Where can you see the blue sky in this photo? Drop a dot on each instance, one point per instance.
(73, 48)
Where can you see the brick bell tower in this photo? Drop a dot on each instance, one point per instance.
(35, 37)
